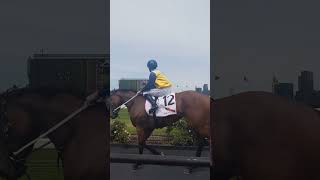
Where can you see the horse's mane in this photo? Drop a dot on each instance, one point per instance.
(122, 90)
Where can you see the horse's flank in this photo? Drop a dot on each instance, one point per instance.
(262, 136)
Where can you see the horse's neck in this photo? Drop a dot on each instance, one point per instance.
(126, 98)
(47, 113)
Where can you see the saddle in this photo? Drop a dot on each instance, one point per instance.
(166, 105)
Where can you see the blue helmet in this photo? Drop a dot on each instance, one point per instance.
(152, 64)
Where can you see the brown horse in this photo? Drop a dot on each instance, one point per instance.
(258, 135)
(195, 107)
(82, 141)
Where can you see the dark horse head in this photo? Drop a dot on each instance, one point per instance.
(29, 112)
(19, 126)
(11, 167)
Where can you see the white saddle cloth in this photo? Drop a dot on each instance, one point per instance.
(166, 105)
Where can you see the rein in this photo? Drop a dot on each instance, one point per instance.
(124, 104)
(18, 163)
(85, 106)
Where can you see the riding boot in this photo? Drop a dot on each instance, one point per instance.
(152, 102)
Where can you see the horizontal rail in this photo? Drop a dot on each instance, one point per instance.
(160, 160)
(159, 146)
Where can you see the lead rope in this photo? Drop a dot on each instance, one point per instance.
(85, 106)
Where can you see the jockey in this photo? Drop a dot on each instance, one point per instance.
(158, 85)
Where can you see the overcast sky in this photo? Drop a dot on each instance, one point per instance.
(262, 38)
(256, 38)
(73, 26)
(174, 32)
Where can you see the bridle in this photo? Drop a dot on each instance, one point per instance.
(16, 158)
(116, 110)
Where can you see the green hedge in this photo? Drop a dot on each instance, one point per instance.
(181, 134)
(119, 132)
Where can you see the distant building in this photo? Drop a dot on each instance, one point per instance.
(80, 74)
(305, 91)
(231, 91)
(205, 89)
(305, 82)
(199, 90)
(132, 84)
(284, 89)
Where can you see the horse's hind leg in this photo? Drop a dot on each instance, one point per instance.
(200, 147)
(200, 143)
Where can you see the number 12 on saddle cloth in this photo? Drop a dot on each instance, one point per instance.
(166, 105)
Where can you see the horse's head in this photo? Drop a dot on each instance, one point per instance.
(114, 101)
(12, 166)
(117, 98)
(9, 167)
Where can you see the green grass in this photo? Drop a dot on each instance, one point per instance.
(124, 117)
(43, 165)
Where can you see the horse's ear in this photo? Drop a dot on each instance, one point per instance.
(112, 92)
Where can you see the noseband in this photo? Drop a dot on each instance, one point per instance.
(114, 110)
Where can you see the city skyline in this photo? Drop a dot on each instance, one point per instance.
(175, 87)
(258, 81)
(275, 81)
(263, 40)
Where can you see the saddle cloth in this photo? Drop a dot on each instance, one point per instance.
(166, 105)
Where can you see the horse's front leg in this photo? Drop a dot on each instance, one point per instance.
(147, 133)
(141, 144)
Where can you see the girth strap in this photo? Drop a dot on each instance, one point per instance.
(156, 122)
